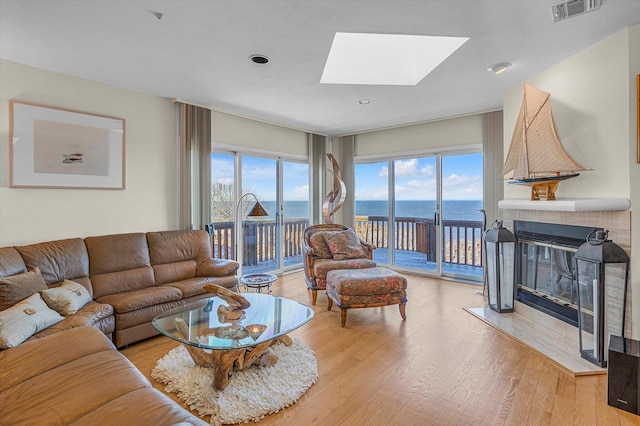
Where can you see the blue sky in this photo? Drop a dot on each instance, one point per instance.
(415, 178)
(259, 175)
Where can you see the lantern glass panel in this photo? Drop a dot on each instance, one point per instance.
(507, 274)
(492, 279)
(615, 278)
(588, 287)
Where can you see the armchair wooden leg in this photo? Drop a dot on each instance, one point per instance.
(343, 317)
(314, 296)
(329, 303)
(402, 311)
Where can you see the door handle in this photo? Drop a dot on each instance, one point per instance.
(436, 218)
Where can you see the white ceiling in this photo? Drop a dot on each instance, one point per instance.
(200, 51)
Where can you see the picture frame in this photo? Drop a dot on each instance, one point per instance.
(52, 147)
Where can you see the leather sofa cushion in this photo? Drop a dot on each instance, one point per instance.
(71, 389)
(146, 406)
(122, 281)
(77, 377)
(176, 271)
(138, 299)
(144, 316)
(43, 355)
(11, 262)
(194, 286)
(178, 246)
(57, 260)
(119, 252)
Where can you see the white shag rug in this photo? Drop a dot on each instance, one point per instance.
(251, 394)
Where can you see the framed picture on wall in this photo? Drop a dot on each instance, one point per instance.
(60, 148)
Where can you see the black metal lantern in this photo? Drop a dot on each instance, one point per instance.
(500, 246)
(602, 272)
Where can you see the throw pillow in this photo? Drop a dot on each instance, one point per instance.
(344, 245)
(68, 298)
(15, 288)
(25, 319)
(319, 246)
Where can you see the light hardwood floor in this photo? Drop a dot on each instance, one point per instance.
(442, 366)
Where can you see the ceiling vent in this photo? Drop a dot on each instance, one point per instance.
(571, 8)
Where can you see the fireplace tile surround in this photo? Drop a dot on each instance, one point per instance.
(618, 222)
(611, 214)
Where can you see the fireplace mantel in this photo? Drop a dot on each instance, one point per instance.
(568, 204)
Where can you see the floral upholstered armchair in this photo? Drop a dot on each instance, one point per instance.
(327, 247)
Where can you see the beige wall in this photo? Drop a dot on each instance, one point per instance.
(589, 101)
(594, 107)
(233, 132)
(449, 133)
(150, 200)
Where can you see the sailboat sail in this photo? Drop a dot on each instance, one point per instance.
(535, 149)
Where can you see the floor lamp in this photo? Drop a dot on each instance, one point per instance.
(256, 211)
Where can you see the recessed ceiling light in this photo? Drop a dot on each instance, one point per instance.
(259, 59)
(385, 59)
(499, 68)
(364, 101)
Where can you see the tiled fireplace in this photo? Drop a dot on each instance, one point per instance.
(549, 235)
(555, 339)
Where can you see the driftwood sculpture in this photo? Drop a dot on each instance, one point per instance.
(225, 362)
(339, 192)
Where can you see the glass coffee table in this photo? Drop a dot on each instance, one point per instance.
(228, 345)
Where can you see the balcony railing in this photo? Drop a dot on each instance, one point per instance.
(461, 239)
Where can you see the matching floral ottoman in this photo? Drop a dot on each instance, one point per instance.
(366, 288)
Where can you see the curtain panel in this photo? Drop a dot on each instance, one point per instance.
(195, 166)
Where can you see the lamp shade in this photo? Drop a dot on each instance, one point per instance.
(257, 210)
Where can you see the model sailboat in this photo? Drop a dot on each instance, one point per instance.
(536, 155)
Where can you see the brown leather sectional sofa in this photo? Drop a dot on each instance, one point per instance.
(70, 373)
(131, 277)
(77, 377)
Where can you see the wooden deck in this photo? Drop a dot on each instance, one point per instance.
(442, 366)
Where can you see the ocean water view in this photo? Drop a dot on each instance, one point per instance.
(451, 209)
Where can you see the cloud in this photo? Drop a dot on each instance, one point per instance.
(300, 192)
(376, 193)
(407, 168)
(462, 187)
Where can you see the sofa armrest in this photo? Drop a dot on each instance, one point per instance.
(217, 268)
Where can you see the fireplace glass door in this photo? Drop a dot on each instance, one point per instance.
(546, 272)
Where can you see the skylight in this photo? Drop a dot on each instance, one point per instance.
(389, 59)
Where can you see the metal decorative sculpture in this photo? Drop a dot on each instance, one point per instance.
(339, 192)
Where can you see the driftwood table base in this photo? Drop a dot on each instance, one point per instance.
(226, 361)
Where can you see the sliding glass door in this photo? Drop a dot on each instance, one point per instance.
(415, 213)
(295, 214)
(268, 243)
(462, 220)
(422, 212)
(259, 235)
